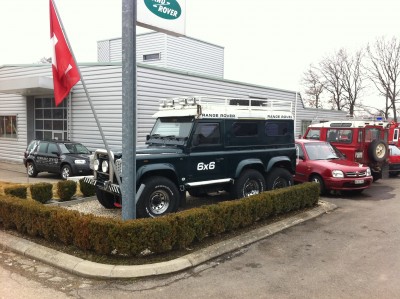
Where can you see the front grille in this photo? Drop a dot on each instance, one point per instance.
(118, 166)
(356, 174)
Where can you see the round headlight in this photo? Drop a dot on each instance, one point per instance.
(104, 166)
(96, 164)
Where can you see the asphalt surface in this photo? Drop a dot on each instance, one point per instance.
(17, 173)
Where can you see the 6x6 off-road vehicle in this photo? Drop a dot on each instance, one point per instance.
(203, 144)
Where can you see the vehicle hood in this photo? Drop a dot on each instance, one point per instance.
(78, 156)
(154, 150)
(341, 164)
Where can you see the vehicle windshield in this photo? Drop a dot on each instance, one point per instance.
(73, 148)
(172, 127)
(394, 150)
(321, 151)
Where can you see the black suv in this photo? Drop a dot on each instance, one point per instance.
(243, 147)
(57, 156)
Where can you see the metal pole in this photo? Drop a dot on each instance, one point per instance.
(129, 109)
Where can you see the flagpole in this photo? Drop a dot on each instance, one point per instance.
(88, 96)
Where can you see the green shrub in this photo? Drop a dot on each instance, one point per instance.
(86, 188)
(151, 235)
(66, 189)
(42, 192)
(19, 191)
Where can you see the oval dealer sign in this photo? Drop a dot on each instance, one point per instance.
(166, 9)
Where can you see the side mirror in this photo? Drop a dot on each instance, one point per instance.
(147, 137)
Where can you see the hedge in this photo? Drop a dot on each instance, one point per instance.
(156, 235)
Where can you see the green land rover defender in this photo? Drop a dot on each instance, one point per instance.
(200, 145)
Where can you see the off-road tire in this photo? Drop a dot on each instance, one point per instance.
(106, 199)
(160, 196)
(318, 179)
(250, 182)
(66, 171)
(279, 178)
(31, 169)
(378, 150)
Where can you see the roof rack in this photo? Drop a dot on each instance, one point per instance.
(223, 107)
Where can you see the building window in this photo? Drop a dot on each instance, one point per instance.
(50, 121)
(150, 57)
(8, 126)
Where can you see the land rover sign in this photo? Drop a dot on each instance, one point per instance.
(162, 15)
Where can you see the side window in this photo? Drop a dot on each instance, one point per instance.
(299, 152)
(339, 135)
(43, 147)
(52, 148)
(395, 134)
(207, 134)
(313, 134)
(276, 129)
(244, 129)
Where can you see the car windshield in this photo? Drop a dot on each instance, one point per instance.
(321, 151)
(394, 150)
(73, 148)
(172, 127)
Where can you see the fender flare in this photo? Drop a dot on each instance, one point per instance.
(143, 170)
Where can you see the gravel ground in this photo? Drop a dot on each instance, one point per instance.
(95, 208)
(92, 206)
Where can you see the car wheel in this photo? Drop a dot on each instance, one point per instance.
(318, 179)
(66, 171)
(378, 150)
(31, 169)
(106, 199)
(250, 182)
(279, 178)
(160, 196)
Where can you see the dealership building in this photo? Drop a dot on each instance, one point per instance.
(167, 66)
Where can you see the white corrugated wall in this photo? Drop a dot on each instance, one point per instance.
(104, 82)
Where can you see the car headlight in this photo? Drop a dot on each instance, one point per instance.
(96, 164)
(80, 162)
(358, 155)
(337, 174)
(368, 171)
(104, 166)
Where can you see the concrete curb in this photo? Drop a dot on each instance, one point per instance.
(86, 268)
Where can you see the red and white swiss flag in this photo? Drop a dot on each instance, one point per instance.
(65, 72)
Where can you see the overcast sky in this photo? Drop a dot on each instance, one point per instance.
(267, 42)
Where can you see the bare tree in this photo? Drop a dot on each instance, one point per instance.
(352, 78)
(385, 70)
(314, 88)
(332, 71)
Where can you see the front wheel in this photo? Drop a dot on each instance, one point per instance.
(318, 179)
(279, 178)
(250, 182)
(106, 199)
(160, 196)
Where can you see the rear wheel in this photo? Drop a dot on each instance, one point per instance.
(279, 178)
(250, 182)
(318, 179)
(106, 199)
(31, 169)
(160, 196)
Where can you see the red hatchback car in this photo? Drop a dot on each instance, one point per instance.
(320, 162)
